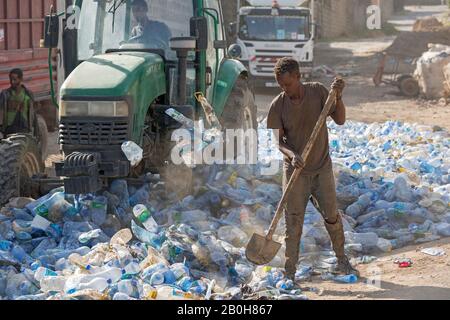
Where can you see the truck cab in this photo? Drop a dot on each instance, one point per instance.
(266, 33)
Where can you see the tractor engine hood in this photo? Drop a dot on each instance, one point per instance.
(116, 75)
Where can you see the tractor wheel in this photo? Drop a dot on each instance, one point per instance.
(408, 86)
(240, 109)
(43, 136)
(20, 160)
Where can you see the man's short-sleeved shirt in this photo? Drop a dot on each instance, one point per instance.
(298, 122)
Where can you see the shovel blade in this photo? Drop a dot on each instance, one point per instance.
(261, 251)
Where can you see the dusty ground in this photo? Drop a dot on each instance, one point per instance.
(427, 278)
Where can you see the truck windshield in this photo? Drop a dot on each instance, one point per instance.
(274, 28)
(106, 24)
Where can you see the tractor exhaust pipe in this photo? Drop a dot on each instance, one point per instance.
(182, 46)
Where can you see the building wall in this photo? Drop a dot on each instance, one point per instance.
(422, 2)
(387, 9)
(343, 17)
(337, 18)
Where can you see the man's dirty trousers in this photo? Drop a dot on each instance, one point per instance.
(322, 189)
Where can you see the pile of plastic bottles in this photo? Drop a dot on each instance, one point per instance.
(141, 242)
(393, 183)
(135, 243)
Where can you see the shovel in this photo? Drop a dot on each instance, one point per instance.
(262, 249)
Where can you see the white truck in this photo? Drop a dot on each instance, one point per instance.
(269, 30)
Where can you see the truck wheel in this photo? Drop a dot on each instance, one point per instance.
(20, 160)
(240, 109)
(408, 86)
(42, 136)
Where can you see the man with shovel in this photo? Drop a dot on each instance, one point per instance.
(293, 114)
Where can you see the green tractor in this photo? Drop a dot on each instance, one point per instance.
(125, 63)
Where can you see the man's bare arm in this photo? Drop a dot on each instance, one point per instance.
(339, 115)
(287, 150)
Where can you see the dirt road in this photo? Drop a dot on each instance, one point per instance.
(364, 101)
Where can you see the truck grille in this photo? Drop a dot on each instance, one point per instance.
(93, 132)
(265, 61)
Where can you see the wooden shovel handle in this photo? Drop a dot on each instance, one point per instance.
(320, 123)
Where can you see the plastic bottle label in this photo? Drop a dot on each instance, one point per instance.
(144, 215)
(98, 205)
(42, 210)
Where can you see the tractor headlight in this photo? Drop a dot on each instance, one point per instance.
(74, 108)
(94, 108)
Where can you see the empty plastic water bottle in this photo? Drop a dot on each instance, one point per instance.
(140, 196)
(19, 253)
(133, 152)
(120, 189)
(6, 245)
(40, 223)
(55, 207)
(157, 278)
(42, 272)
(128, 287)
(146, 236)
(144, 215)
(179, 270)
(184, 283)
(97, 284)
(171, 293)
(33, 205)
(181, 118)
(285, 284)
(122, 237)
(112, 275)
(53, 284)
(132, 268)
(88, 236)
(98, 209)
(120, 296)
(358, 208)
(351, 278)
(198, 287)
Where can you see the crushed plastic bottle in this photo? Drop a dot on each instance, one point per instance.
(133, 152)
(351, 278)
